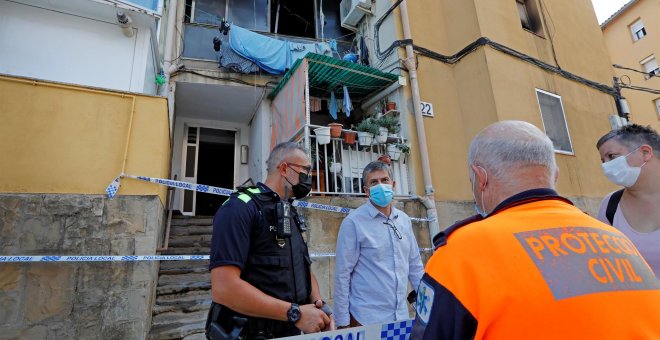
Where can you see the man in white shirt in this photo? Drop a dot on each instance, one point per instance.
(377, 255)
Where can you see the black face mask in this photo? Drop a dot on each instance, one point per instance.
(304, 186)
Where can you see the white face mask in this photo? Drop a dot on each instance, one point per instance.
(620, 172)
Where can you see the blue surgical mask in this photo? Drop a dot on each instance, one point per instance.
(381, 194)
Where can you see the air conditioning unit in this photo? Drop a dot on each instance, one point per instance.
(352, 11)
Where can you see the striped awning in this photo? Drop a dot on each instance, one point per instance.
(327, 74)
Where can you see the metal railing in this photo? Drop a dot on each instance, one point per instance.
(337, 166)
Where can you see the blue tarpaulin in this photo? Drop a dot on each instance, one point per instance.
(272, 55)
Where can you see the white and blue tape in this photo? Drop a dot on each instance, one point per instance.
(112, 189)
(100, 258)
(397, 330)
(129, 258)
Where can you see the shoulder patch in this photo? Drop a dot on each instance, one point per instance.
(425, 295)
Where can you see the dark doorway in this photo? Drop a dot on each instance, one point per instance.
(296, 18)
(215, 167)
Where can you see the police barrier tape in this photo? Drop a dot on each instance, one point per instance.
(397, 330)
(128, 258)
(112, 189)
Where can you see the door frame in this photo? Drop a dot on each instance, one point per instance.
(186, 123)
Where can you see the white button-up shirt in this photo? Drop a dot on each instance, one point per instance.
(373, 266)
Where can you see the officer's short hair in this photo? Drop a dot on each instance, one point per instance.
(633, 136)
(374, 166)
(280, 152)
(507, 145)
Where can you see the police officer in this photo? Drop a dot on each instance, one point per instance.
(262, 284)
(530, 265)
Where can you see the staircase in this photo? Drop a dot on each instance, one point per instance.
(183, 293)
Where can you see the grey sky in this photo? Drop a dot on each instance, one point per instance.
(605, 8)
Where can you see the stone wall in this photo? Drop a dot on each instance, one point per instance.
(103, 300)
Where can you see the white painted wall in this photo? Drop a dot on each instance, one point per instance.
(78, 48)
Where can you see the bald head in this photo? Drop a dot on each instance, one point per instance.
(509, 149)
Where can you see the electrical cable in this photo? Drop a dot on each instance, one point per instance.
(648, 74)
(550, 36)
(640, 88)
(182, 69)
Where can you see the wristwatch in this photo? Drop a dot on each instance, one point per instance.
(293, 314)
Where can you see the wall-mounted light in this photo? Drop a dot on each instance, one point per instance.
(126, 23)
(244, 154)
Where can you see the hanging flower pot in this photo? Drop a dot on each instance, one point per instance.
(349, 137)
(394, 152)
(335, 167)
(335, 130)
(322, 135)
(385, 159)
(382, 136)
(364, 138)
(390, 106)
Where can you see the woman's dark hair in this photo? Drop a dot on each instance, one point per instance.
(633, 136)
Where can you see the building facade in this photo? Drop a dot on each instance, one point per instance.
(539, 61)
(631, 35)
(232, 79)
(78, 106)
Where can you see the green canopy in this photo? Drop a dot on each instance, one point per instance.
(328, 74)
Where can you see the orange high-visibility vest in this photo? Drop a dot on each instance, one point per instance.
(539, 269)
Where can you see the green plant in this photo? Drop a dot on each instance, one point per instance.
(405, 148)
(368, 125)
(391, 123)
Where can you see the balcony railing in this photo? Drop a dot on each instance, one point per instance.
(337, 166)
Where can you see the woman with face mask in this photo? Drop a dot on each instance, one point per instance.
(631, 158)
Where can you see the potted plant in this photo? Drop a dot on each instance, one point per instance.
(366, 131)
(390, 123)
(335, 130)
(322, 135)
(390, 106)
(395, 150)
(349, 137)
(333, 167)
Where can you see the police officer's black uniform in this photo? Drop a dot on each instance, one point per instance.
(245, 234)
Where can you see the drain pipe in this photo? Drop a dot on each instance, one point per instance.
(168, 67)
(429, 198)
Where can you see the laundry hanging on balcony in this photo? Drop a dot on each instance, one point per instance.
(348, 106)
(272, 55)
(233, 61)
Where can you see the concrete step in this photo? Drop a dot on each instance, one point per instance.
(183, 267)
(186, 302)
(183, 294)
(191, 230)
(177, 325)
(178, 288)
(187, 220)
(190, 278)
(177, 241)
(187, 251)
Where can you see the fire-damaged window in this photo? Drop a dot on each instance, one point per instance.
(530, 17)
(316, 19)
(251, 14)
